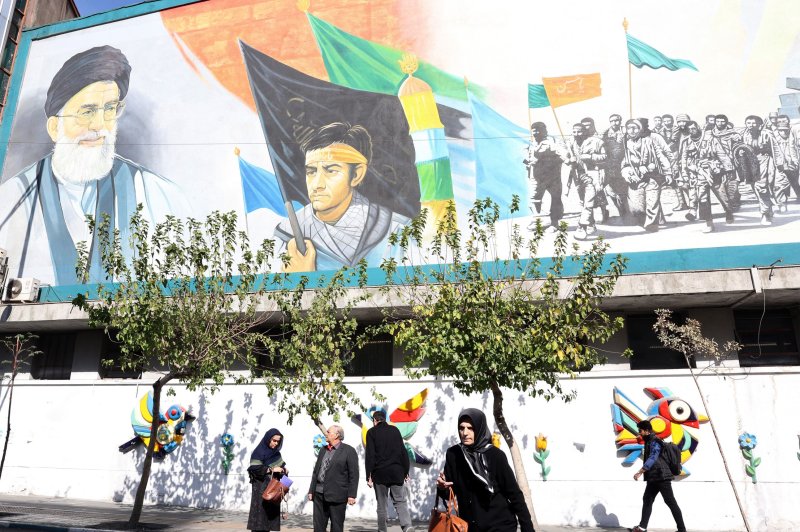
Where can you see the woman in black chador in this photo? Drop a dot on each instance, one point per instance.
(488, 495)
(265, 462)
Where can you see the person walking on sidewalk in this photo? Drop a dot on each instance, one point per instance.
(488, 495)
(265, 462)
(387, 466)
(658, 477)
(334, 482)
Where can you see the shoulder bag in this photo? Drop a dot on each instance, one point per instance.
(275, 491)
(447, 520)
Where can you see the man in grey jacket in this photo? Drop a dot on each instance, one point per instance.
(334, 482)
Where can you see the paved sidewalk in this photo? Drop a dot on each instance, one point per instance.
(74, 515)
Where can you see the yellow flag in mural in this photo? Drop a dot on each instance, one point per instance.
(570, 89)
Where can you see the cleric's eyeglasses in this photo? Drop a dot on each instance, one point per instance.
(85, 115)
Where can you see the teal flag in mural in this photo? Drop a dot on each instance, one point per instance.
(361, 64)
(537, 96)
(260, 189)
(499, 150)
(641, 55)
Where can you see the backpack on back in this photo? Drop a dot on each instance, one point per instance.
(672, 457)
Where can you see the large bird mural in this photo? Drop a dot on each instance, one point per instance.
(171, 426)
(406, 418)
(671, 417)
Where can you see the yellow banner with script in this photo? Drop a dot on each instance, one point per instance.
(570, 89)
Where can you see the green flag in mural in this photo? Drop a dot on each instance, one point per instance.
(361, 64)
(537, 97)
(641, 55)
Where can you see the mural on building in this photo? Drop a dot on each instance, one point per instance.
(171, 427)
(406, 418)
(672, 419)
(747, 444)
(348, 120)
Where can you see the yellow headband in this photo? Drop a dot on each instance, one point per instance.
(341, 153)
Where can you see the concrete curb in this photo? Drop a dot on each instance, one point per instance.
(51, 528)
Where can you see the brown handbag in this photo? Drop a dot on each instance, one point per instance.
(275, 491)
(448, 520)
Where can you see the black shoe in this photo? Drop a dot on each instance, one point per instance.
(690, 216)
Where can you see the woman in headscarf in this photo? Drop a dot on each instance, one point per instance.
(646, 168)
(265, 462)
(488, 495)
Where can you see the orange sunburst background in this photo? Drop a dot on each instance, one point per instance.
(278, 28)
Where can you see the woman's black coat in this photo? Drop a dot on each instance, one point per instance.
(485, 511)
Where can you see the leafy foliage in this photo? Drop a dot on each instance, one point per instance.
(688, 338)
(491, 321)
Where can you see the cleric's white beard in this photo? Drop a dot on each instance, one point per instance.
(77, 164)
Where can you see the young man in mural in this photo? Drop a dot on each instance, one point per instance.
(340, 226)
(705, 174)
(765, 187)
(687, 199)
(614, 142)
(786, 143)
(586, 156)
(658, 477)
(43, 209)
(543, 158)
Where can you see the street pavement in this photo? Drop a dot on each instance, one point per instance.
(74, 515)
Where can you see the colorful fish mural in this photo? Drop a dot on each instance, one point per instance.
(671, 417)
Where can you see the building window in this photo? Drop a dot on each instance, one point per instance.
(54, 361)
(10, 50)
(110, 367)
(768, 337)
(374, 359)
(648, 352)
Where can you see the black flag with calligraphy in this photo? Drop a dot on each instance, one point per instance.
(291, 105)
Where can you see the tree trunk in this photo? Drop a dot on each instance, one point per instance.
(719, 444)
(8, 425)
(516, 455)
(319, 425)
(136, 514)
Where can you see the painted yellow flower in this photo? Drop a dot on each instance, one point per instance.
(541, 442)
(496, 439)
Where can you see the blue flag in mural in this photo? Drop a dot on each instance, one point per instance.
(260, 189)
(641, 54)
(499, 150)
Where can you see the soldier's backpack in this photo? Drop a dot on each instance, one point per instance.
(672, 457)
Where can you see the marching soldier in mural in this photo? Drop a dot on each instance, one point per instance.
(686, 193)
(704, 174)
(722, 140)
(761, 142)
(786, 143)
(646, 168)
(586, 157)
(340, 226)
(48, 202)
(543, 159)
(614, 142)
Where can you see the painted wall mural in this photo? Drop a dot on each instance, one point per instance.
(171, 430)
(673, 419)
(328, 125)
(406, 418)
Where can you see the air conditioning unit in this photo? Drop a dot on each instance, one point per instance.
(3, 266)
(22, 290)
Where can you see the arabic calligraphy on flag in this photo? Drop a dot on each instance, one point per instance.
(570, 89)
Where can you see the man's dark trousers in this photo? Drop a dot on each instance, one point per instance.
(664, 487)
(324, 511)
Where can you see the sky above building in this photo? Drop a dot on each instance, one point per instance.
(90, 7)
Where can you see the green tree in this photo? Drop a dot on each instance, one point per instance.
(314, 343)
(21, 349)
(688, 339)
(492, 320)
(182, 299)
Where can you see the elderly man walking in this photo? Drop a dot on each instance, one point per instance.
(387, 466)
(334, 482)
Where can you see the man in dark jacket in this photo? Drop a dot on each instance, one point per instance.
(334, 481)
(387, 465)
(658, 477)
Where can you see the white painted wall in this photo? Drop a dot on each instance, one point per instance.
(65, 437)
